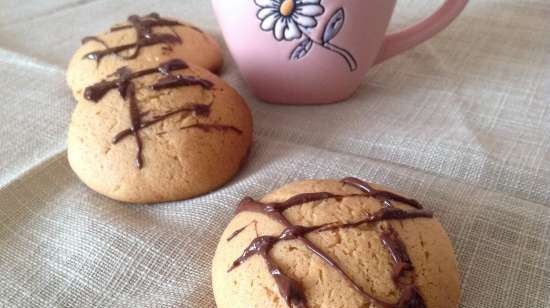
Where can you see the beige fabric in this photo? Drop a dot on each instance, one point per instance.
(461, 123)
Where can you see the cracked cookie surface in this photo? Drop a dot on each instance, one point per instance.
(189, 130)
(393, 228)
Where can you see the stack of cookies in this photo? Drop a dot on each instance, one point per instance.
(152, 122)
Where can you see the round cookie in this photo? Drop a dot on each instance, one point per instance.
(139, 43)
(328, 244)
(168, 132)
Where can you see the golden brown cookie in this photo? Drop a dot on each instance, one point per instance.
(329, 244)
(141, 42)
(167, 132)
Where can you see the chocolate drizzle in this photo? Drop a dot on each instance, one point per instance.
(198, 110)
(290, 289)
(125, 85)
(144, 37)
(179, 81)
(125, 76)
(384, 196)
(93, 39)
(235, 233)
(403, 270)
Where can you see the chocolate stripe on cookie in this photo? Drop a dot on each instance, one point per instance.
(385, 196)
(291, 291)
(123, 82)
(144, 34)
(124, 76)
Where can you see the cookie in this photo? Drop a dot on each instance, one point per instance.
(329, 243)
(139, 43)
(168, 132)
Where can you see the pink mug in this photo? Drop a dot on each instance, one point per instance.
(317, 51)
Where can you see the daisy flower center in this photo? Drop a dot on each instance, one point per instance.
(287, 7)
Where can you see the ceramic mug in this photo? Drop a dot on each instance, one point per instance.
(316, 51)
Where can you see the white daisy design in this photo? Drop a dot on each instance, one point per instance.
(288, 18)
(291, 20)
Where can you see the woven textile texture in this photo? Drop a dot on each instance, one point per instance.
(461, 123)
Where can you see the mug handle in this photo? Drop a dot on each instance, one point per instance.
(399, 42)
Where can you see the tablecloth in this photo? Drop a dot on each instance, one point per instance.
(461, 123)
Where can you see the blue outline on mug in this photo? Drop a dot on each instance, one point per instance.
(291, 19)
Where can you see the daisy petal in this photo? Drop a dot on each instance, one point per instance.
(310, 10)
(269, 22)
(267, 3)
(279, 29)
(292, 31)
(266, 11)
(304, 21)
(302, 2)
